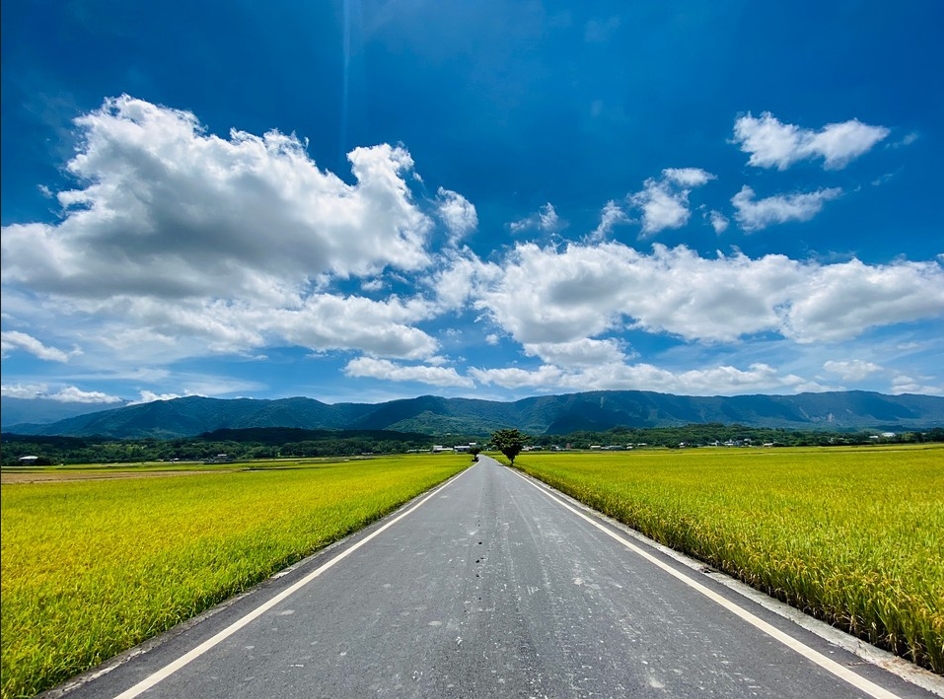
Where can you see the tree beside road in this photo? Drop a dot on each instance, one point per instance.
(509, 442)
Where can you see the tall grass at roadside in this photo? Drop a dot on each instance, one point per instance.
(852, 536)
(92, 568)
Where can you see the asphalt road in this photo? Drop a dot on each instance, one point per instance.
(489, 588)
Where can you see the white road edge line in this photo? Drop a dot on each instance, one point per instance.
(843, 673)
(189, 657)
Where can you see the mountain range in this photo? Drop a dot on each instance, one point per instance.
(558, 414)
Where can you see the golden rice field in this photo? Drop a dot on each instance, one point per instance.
(94, 565)
(853, 536)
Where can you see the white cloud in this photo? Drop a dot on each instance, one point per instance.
(179, 243)
(165, 209)
(150, 397)
(545, 295)
(687, 176)
(839, 301)
(753, 215)
(513, 377)
(71, 394)
(718, 221)
(12, 340)
(389, 371)
(772, 143)
(611, 215)
(903, 383)
(852, 370)
(135, 331)
(26, 391)
(545, 219)
(664, 202)
(461, 274)
(720, 380)
(583, 352)
(67, 394)
(458, 213)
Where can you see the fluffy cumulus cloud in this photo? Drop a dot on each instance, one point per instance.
(852, 370)
(167, 209)
(771, 143)
(67, 394)
(839, 301)
(318, 322)
(515, 378)
(390, 371)
(71, 394)
(178, 242)
(711, 381)
(754, 214)
(458, 213)
(331, 322)
(13, 340)
(544, 296)
(578, 353)
(664, 201)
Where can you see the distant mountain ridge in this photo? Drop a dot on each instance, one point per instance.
(558, 414)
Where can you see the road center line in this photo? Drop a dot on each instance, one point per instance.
(189, 657)
(810, 654)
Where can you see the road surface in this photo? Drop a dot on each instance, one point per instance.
(491, 587)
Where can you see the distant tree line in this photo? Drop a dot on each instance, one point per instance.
(719, 434)
(271, 443)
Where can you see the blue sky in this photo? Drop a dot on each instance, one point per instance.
(359, 201)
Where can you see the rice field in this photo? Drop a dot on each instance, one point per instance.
(853, 536)
(93, 564)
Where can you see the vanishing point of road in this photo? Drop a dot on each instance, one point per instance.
(491, 586)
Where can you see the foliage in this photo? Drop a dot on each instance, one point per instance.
(716, 433)
(84, 577)
(509, 442)
(261, 443)
(271, 443)
(851, 535)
